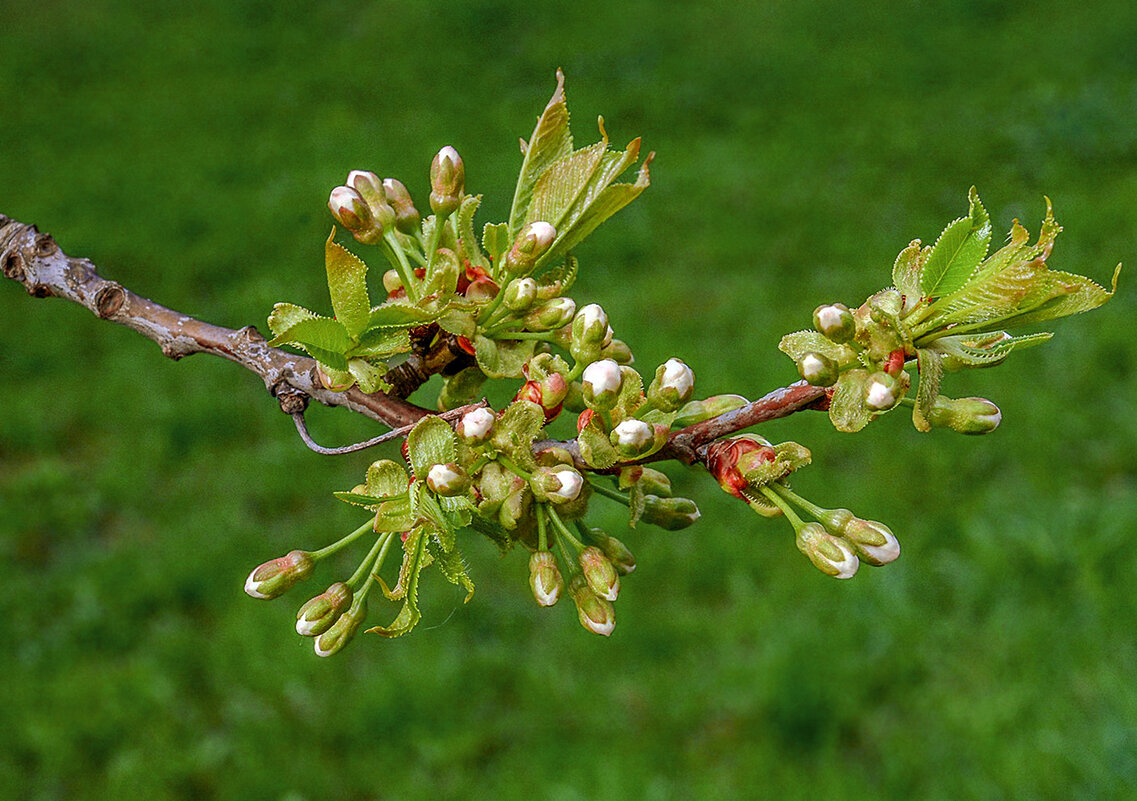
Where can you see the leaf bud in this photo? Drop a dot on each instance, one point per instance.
(874, 541)
(353, 212)
(673, 385)
(599, 572)
(965, 415)
(545, 578)
(334, 380)
(818, 369)
(633, 439)
(882, 391)
(447, 181)
(370, 188)
(447, 479)
(407, 218)
(831, 555)
(343, 630)
(520, 294)
(672, 514)
(600, 383)
(476, 427)
(275, 577)
(724, 455)
(550, 315)
(595, 613)
(590, 326)
(697, 411)
(835, 322)
(532, 243)
(559, 484)
(317, 615)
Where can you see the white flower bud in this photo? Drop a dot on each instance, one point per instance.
(831, 555)
(880, 394)
(874, 541)
(475, 427)
(571, 484)
(633, 434)
(601, 382)
(447, 479)
(679, 377)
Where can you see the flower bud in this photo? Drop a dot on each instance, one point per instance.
(532, 243)
(370, 188)
(343, 630)
(550, 315)
(654, 482)
(836, 521)
(560, 484)
(317, 615)
(353, 213)
(835, 322)
(600, 383)
(874, 541)
(520, 294)
(596, 614)
(334, 380)
(882, 392)
(590, 326)
(617, 552)
(545, 578)
(599, 572)
(724, 456)
(618, 351)
(482, 290)
(275, 577)
(407, 218)
(673, 385)
(818, 369)
(447, 480)
(633, 438)
(392, 281)
(672, 514)
(965, 415)
(831, 555)
(476, 427)
(697, 411)
(447, 181)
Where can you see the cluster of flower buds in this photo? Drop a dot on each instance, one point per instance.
(361, 205)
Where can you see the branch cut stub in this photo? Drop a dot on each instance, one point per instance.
(14, 266)
(109, 299)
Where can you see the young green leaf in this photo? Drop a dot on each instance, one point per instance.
(369, 376)
(958, 251)
(415, 558)
(285, 315)
(467, 239)
(931, 368)
(495, 240)
(551, 140)
(399, 314)
(502, 358)
(847, 409)
(906, 271)
(347, 284)
(516, 429)
(595, 447)
(799, 343)
(381, 343)
(453, 567)
(430, 442)
(386, 479)
(319, 332)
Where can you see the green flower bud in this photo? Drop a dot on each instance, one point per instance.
(672, 514)
(883, 391)
(874, 541)
(618, 351)
(965, 415)
(831, 555)
(651, 481)
(317, 615)
(476, 427)
(600, 384)
(447, 480)
(368, 185)
(595, 613)
(482, 290)
(558, 484)
(622, 559)
(590, 326)
(697, 411)
(835, 322)
(633, 439)
(818, 369)
(673, 385)
(550, 315)
(836, 521)
(353, 213)
(407, 218)
(599, 572)
(334, 380)
(532, 243)
(545, 578)
(277, 576)
(343, 630)
(447, 181)
(520, 294)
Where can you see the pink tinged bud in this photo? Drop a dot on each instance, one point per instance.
(370, 188)
(590, 326)
(533, 242)
(601, 383)
(551, 315)
(482, 290)
(873, 541)
(673, 385)
(476, 427)
(881, 393)
(317, 615)
(595, 613)
(818, 369)
(392, 282)
(831, 555)
(407, 218)
(447, 181)
(275, 577)
(600, 573)
(353, 213)
(335, 380)
(447, 479)
(545, 578)
(343, 630)
(520, 294)
(835, 322)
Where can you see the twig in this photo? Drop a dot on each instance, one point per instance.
(402, 431)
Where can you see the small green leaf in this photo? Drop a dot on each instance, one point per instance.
(557, 280)
(359, 499)
(847, 409)
(799, 343)
(495, 240)
(386, 479)
(958, 251)
(347, 284)
(458, 322)
(631, 395)
(319, 332)
(1080, 295)
(467, 239)
(793, 454)
(399, 314)
(381, 343)
(906, 272)
(516, 429)
(551, 140)
(562, 183)
(453, 567)
(430, 442)
(595, 447)
(931, 369)
(332, 363)
(369, 376)
(461, 388)
(285, 315)
(502, 358)
(965, 351)
(415, 558)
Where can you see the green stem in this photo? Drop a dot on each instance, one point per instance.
(365, 567)
(563, 529)
(343, 543)
(487, 313)
(787, 510)
(544, 336)
(394, 253)
(611, 494)
(512, 467)
(790, 495)
(542, 535)
(435, 240)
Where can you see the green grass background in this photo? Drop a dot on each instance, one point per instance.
(188, 151)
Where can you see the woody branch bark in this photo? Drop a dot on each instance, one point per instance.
(35, 260)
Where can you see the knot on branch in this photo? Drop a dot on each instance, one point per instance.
(109, 300)
(13, 266)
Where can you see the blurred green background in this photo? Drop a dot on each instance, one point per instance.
(188, 151)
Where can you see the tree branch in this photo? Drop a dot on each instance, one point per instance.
(34, 260)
